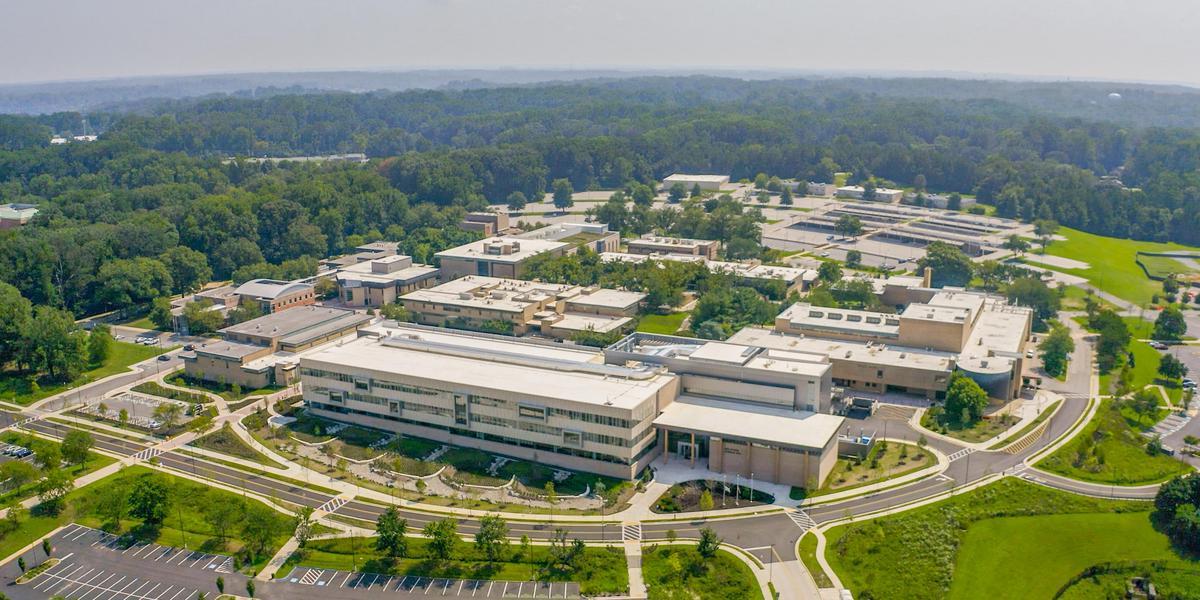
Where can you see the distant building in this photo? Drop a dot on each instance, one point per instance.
(16, 215)
(261, 352)
(822, 190)
(881, 194)
(549, 309)
(593, 236)
(382, 280)
(488, 223)
(501, 256)
(707, 183)
(222, 299)
(794, 279)
(657, 244)
(273, 296)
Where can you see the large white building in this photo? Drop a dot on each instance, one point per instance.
(707, 183)
(743, 409)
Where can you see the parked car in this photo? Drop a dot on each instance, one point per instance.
(1029, 354)
(189, 347)
(164, 357)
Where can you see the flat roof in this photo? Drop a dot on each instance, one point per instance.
(527, 248)
(694, 177)
(747, 270)
(583, 322)
(667, 241)
(295, 325)
(492, 293)
(776, 426)
(842, 320)
(606, 298)
(865, 352)
(362, 273)
(232, 350)
(486, 362)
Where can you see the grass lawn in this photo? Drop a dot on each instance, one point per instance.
(672, 572)
(1048, 550)
(224, 440)
(1172, 579)
(1109, 450)
(916, 553)
(662, 324)
(141, 323)
(599, 571)
(223, 390)
(95, 461)
(982, 430)
(883, 463)
(1162, 267)
(808, 555)
(1112, 263)
(17, 389)
(155, 389)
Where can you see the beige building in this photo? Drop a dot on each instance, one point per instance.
(263, 352)
(753, 272)
(856, 192)
(914, 351)
(528, 307)
(657, 244)
(731, 408)
(271, 296)
(538, 401)
(16, 215)
(707, 183)
(503, 256)
(381, 281)
(488, 223)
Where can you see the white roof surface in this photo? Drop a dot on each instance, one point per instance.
(687, 177)
(269, 288)
(750, 422)
(445, 357)
(528, 248)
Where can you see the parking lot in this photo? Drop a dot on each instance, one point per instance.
(95, 565)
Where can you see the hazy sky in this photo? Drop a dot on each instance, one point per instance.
(1136, 40)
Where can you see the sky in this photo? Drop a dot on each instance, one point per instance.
(1124, 40)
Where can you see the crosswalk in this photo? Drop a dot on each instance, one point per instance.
(631, 532)
(147, 454)
(959, 454)
(332, 505)
(312, 576)
(801, 519)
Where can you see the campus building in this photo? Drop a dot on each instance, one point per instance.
(707, 183)
(524, 307)
(271, 296)
(501, 256)
(747, 410)
(914, 351)
(263, 351)
(657, 244)
(487, 223)
(856, 192)
(381, 281)
(15, 215)
(539, 401)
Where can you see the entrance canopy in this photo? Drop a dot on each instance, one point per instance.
(750, 422)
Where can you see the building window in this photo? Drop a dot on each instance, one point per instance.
(531, 412)
(572, 438)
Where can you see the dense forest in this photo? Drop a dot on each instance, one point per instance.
(156, 207)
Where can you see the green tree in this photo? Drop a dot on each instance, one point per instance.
(492, 537)
(223, 517)
(15, 314)
(853, 259)
(1056, 348)
(696, 191)
(848, 226)
(869, 192)
(259, 527)
(760, 181)
(786, 198)
(220, 584)
(188, 268)
(305, 526)
(677, 193)
(390, 534)
(168, 414)
(76, 445)
(160, 313)
(443, 538)
(517, 201)
(200, 317)
(114, 506)
(1034, 293)
(52, 489)
(1170, 324)
(250, 587)
(950, 265)
(965, 400)
(562, 193)
(641, 194)
(1171, 367)
(709, 543)
(706, 500)
(54, 345)
(1113, 340)
(829, 272)
(149, 500)
(124, 283)
(47, 455)
(1016, 244)
(99, 343)
(954, 202)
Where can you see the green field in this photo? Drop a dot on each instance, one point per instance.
(94, 461)
(1161, 267)
(662, 324)
(1110, 450)
(600, 571)
(17, 389)
(1173, 579)
(883, 463)
(678, 572)
(1112, 263)
(927, 541)
(1047, 551)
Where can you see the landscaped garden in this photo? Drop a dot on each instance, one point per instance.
(598, 570)
(1111, 449)
(677, 571)
(230, 392)
(706, 494)
(224, 440)
(155, 389)
(662, 324)
(972, 545)
(886, 460)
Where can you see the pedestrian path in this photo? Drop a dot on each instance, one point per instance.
(631, 532)
(960, 454)
(332, 505)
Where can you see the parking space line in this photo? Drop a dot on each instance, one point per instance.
(214, 559)
(401, 584)
(164, 592)
(117, 593)
(178, 593)
(430, 586)
(138, 588)
(386, 582)
(97, 587)
(50, 577)
(147, 594)
(346, 579)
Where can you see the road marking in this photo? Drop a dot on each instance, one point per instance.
(801, 519)
(346, 579)
(959, 454)
(178, 593)
(631, 532)
(98, 588)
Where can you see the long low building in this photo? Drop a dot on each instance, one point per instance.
(793, 279)
(524, 307)
(745, 410)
